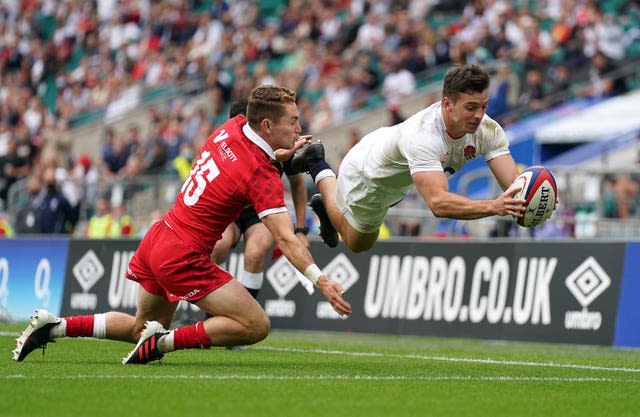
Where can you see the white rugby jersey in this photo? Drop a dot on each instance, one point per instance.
(385, 158)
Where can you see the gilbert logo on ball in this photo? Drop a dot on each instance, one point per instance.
(540, 190)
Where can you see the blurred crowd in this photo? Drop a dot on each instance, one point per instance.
(62, 59)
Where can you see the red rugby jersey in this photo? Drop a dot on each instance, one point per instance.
(233, 170)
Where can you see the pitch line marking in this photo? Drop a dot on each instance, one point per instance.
(453, 359)
(434, 358)
(426, 378)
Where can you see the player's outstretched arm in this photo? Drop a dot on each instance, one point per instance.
(299, 197)
(504, 169)
(434, 188)
(280, 226)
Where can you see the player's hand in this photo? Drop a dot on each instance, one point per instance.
(284, 154)
(332, 291)
(508, 205)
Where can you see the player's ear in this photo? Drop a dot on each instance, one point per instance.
(266, 125)
(446, 102)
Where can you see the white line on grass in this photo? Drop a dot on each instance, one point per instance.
(451, 359)
(427, 378)
(434, 358)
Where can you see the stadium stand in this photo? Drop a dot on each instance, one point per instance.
(72, 71)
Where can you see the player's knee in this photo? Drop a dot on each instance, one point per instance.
(260, 328)
(254, 260)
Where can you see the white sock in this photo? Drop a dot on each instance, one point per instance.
(100, 326)
(60, 330)
(324, 174)
(165, 343)
(252, 280)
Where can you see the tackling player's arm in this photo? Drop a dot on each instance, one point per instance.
(280, 226)
(434, 188)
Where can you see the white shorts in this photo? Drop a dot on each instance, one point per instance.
(359, 202)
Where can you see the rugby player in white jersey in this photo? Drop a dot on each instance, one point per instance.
(381, 169)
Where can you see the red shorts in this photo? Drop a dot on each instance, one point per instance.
(164, 265)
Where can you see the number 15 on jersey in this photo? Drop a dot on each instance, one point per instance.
(204, 171)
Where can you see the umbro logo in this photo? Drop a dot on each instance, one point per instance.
(587, 282)
(88, 270)
(282, 276)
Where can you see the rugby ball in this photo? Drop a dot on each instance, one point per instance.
(540, 190)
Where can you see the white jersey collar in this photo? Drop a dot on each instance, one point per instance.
(257, 139)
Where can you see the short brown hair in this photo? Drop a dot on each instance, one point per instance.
(266, 102)
(462, 79)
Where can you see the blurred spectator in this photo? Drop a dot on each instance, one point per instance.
(503, 91)
(322, 116)
(34, 116)
(560, 82)
(532, 93)
(25, 147)
(132, 139)
(85, 174)
(398, 82)
(128, 181)
(12, 168)
(498, 45)
(99, 226)
(155, 159)
(56, 136)
(114, 157)
(441, 49)
(57, 213)
(371, 33)
(619, 196)
(122, 223)
(605, 81)
(626, 190)
(338, 95)
(172, 137)
(108, 137)
(574, 50)
(604, 34)
(184, 161)
(29, 215)
(540, 43)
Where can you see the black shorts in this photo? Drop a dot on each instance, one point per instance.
(247, 218)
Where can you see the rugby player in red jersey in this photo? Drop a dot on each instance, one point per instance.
(173, 263)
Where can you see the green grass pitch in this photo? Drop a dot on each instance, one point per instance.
(323, 374)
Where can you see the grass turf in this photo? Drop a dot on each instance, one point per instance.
(324, 374)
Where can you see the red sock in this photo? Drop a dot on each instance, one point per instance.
(79, 326)
(191, 337)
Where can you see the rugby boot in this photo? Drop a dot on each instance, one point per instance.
(312, 153)
(327, 232)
